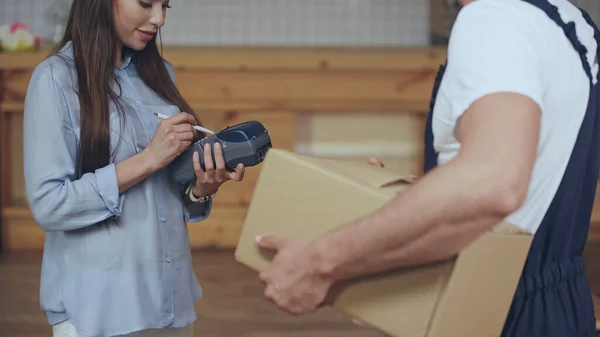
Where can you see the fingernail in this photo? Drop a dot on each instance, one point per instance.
(258, 238)
(217, 145)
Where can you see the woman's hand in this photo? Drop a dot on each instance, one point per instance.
(209, 181)
(173, 135)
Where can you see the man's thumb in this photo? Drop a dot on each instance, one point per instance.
(270, 242)
(375, 162)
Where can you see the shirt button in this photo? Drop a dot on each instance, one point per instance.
(138, 103)
(168, 259)
(163, 219)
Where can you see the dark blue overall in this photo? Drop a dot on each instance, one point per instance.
(553, 298)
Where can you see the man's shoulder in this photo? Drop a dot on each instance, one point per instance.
(510, 8)
(508, 15)
(506, 26)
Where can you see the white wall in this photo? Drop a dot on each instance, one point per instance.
(275, 22)
(269, 22)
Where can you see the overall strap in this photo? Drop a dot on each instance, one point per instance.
(564, 228)
(590, 22)
(569, 29)
(553, 291)
(430, 153)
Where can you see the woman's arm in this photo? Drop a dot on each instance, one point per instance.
(59, 201)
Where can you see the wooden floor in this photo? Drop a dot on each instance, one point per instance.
(233, 304)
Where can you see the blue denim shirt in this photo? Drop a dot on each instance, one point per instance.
(133, 271)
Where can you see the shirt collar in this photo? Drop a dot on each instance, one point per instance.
(67, 51)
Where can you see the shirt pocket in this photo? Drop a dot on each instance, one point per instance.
(122, 136)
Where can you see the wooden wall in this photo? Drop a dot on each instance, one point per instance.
(341, 103)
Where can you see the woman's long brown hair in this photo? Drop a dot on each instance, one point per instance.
(91, 30)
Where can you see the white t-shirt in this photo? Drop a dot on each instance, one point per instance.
(511, 45)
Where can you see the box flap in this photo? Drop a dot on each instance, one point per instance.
(361, 173)
(288, 180)
(375, 176)
(482, 286)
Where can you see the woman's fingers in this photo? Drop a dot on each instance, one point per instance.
(181, 118)
(196, 162)
(219, 159)
(186, 136)
(209, 166)
(238, 174)
(185, 127)
(221, 173)
(215, 171)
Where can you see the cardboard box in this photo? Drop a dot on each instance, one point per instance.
(301, 196)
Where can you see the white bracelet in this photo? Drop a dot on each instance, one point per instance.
(190, 193)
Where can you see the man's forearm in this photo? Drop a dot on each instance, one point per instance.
(431, 221)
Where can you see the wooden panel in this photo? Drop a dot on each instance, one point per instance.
(251, 59)
(197, 86)
(261, 58)
(17, 176)
(596, 300)
(338, 107)
(5, 160)
(346, 91)
(11, 108)
(15, 85)
(594, 234)
(221, 229)
(19, 230)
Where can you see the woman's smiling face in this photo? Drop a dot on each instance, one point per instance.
(137, 21)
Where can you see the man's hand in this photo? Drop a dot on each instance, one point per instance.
(375, 162)
(293, 281)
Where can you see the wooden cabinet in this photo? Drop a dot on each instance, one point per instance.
(230, 85)
(283, 88)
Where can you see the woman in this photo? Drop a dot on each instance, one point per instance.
(117, 257)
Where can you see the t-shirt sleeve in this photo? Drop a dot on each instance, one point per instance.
(493, 49)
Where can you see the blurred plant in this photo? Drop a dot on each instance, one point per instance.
(18, 37)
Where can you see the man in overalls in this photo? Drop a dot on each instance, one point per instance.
(513, 133)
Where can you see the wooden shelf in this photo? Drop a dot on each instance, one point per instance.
(299, 106)
(274, 58)
(596, 300)
(18, 212)
(20, 232)
(230, 85)
(12, 108)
